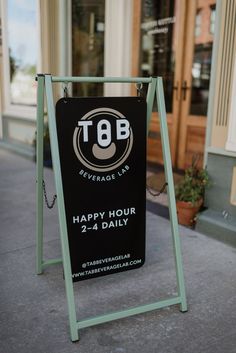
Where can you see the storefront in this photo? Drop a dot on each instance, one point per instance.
(172, 39)
(169, 38)
(175, 42)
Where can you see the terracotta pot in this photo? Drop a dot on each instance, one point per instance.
(187, 211)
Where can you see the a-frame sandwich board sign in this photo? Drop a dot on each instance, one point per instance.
(102, 147)
(123, 132)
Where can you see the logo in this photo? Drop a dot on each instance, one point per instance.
(103, 139)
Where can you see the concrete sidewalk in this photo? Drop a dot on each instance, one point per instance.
(33, 308)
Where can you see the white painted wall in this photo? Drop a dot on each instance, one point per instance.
(231, 139)
(1, 133)
(0, 84)
(64, 37)
(0, 114)
(21, 132)
(118, 39)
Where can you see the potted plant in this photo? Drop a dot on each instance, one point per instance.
(189, 193)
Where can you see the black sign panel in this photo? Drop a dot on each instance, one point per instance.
(102, 146)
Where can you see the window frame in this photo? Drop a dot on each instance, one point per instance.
(117, 33)
(9, 109)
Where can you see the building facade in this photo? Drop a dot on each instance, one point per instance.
(219, 220)
(191, 44)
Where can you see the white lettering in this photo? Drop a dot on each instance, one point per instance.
(111, 214)
(122, 129)
(90, 216)
(104, 133)
(125, 220)
(114, 224)
(75, 219)
(83, 219)
(119, 213)
(85, 124)
(132, 210)
(102, 214)
(104, 225)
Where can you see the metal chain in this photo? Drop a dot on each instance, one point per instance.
(50, 206)
(156, 194)
(139, 88)
(65, 91)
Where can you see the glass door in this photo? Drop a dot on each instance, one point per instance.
(88, 28)
(196, 80)
(157, 51)
(160, 54)
(175, 41)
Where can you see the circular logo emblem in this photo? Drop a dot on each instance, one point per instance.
(103, 139)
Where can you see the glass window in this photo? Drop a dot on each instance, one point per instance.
(23, 50)
(157, 52)
(213, 19)
(88, 28)
(198, 23)
(201, 70)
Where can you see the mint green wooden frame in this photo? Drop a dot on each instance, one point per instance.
(155, 90)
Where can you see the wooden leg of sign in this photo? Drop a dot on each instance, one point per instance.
(61, 209)
(39, 187)
(171, 193)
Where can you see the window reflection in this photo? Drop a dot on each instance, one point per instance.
(213, 19)
(201, 70)
(22, 42)
(198, 24)
(157, 52)
(88, 28)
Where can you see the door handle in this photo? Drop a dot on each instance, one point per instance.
(184, 89)
(176, 88)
